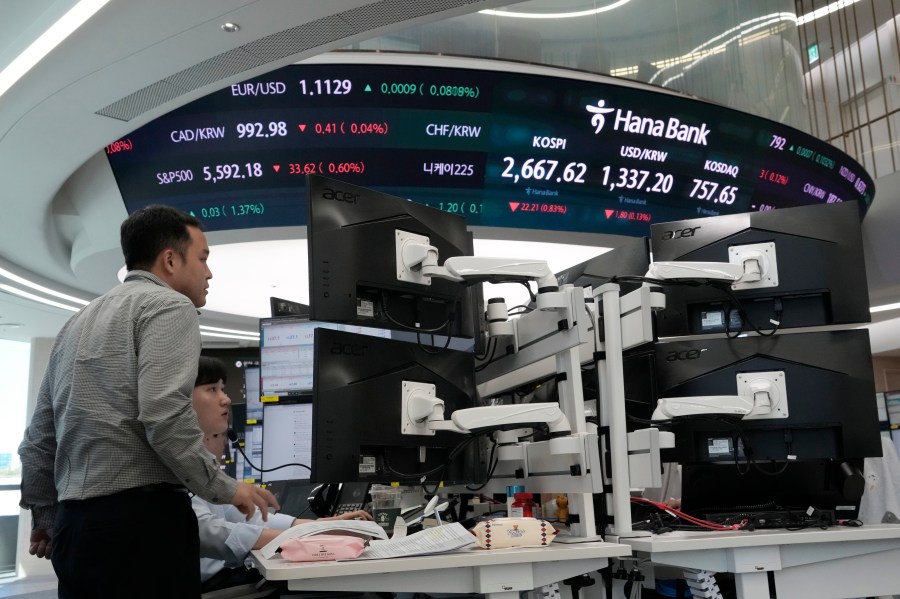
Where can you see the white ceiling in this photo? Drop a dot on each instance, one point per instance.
(61, 209)
(61, 215)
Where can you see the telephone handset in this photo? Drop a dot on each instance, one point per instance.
(338, 498)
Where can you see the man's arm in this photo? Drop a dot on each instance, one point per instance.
(38, 453)
(226, 535)
(168, 342)
(268, 534)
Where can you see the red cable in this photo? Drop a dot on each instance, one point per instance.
(689, 518)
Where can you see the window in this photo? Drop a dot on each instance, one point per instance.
(14, 372)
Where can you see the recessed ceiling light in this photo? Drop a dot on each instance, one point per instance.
(230, 27)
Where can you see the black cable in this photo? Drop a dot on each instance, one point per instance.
(530, 292)
(462, 445)
(431, 352)
(492, 344)
(384, 310)
(306, 509)
(492, 466)
(232, 436)
(660, 282)
(720, 285)
(744, 318)
(487, 349)
(761, 470)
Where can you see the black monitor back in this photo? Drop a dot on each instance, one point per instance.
(352, 268)
(830, 396)
(357, 393)
(821, 269)
(774, 497)
(631, 258)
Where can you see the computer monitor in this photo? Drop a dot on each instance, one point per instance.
(241, 370)
(826, 409)
(283, 412)
(286, 355)
(283, 307)
(287, 439)
(768, 470)
(254, 406)
(357, 399)
(819, 267)
(352, 234)
(252, 442)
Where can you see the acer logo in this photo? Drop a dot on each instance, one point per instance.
(340, 196)
(348, 349)
(689, 354)
(680, 233)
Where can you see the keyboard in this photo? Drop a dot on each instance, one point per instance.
(346, 508)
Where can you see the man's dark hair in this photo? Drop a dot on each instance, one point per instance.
(210, 370)
(149, 231)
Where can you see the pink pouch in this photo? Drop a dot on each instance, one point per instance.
(321, 548)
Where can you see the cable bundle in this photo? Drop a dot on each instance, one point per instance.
(702, 584)
(690, 519)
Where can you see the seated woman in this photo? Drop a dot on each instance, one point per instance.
(226, 536)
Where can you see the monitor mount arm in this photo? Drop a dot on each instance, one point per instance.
(423, 414)
(761, 395)
(417, 262)
(674, 407)
(749, 266)
(707, 271)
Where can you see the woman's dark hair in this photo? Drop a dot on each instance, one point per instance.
(210, 370)
(149, 231)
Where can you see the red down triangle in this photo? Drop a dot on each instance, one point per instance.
(514, 206)
(302, 128)
(277, 167)
(609, 212)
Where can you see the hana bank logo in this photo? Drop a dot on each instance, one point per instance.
(627, 121)
(599, 111)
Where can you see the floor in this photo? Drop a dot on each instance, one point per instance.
(33, 587)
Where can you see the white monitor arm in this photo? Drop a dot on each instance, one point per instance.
(711, 271)
(760, 395)
(674, 407)
(749, 266)
(417, 262)
(423, 414)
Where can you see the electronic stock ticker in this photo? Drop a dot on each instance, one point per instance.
(503, 149)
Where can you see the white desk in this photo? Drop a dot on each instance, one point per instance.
(498, 573)
(835, 563)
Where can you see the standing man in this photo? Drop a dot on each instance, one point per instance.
(114, 445)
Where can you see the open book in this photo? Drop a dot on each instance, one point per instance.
(360, 528)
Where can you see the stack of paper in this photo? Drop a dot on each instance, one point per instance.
(439, 539)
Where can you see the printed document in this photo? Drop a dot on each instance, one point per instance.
(439, 539)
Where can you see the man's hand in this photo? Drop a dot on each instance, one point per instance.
(249, 497)
(41, 543)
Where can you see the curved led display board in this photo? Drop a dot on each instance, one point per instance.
(552, 151)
